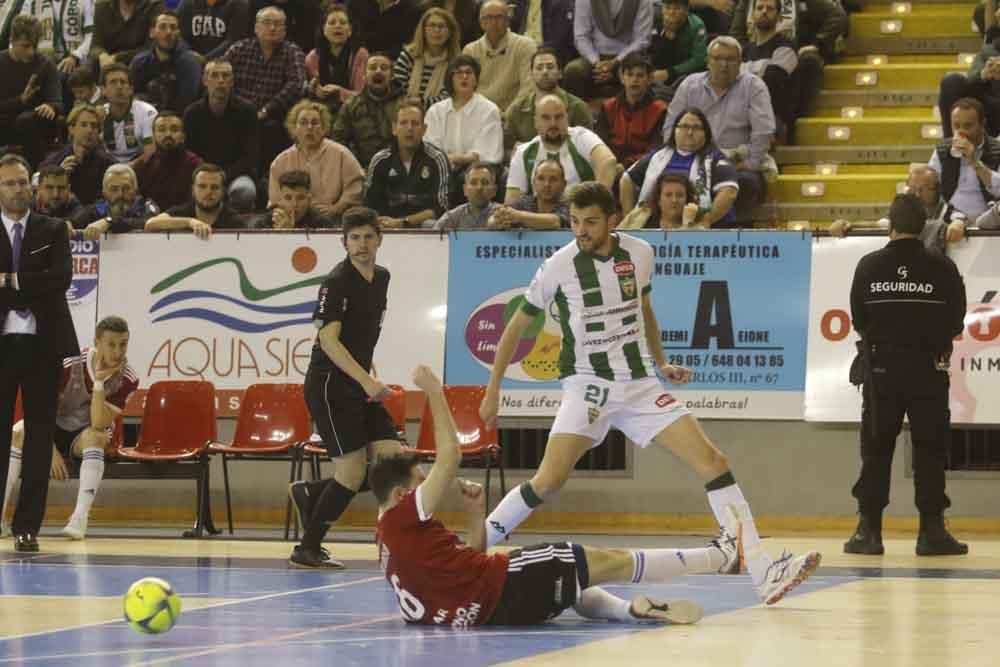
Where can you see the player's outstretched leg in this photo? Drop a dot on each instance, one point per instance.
(562, 452)
(773, 579)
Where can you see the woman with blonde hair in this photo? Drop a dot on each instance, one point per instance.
(422, 65)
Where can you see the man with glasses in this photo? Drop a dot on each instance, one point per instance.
(738, 108)
(505, 56)
(223, 130)
(269, 72)
(605, 32)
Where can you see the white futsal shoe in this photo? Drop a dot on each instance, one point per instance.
(76, 528)
(732, 552)
(785, 574)
(681, 612)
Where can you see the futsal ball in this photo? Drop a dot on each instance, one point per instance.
(151, 606)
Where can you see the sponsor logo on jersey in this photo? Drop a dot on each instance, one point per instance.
(663, 400)
(628, 286)
(622, 268)
(593, 414)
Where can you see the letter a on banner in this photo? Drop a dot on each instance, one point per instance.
(713, 298)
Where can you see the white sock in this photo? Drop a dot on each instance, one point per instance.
(91, 473)
(663, 564)
(595, 602)
(740, 518)
(516, 506)
(13, 473)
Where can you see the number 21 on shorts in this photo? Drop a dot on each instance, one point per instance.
(596, 395)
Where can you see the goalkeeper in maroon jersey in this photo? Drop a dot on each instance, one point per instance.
(438, 580)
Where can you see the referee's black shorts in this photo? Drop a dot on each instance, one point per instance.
(543, 581)
(345, 423)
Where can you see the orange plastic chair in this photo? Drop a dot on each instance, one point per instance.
(395, 405)
(479, 443)
(273, 424)
(178, 424)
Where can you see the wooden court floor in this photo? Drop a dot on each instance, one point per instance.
(243, 606)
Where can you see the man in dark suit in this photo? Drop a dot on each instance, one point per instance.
(36, 333)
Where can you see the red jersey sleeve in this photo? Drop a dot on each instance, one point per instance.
(128, 385)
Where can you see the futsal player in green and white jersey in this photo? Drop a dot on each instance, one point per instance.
(609, 365)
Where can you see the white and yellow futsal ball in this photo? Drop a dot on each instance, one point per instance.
(151, 606)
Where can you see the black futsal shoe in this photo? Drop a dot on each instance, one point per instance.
(935, 540)
(867, 537)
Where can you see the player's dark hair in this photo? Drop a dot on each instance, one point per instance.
(115, 67)
(112, 323)
(545, 51)
(360, 216)
(907, 214)
(592, 193)
(389, 472)
(296, 179)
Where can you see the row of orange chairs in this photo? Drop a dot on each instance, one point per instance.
(179, 426)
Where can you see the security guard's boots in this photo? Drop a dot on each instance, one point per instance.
(935, 540)
(867, 537)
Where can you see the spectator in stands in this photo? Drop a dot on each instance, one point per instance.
(84, 158)
(83, 86)
(466, 125)
(385, 27)
(30, 92)
(165, 173)
(770, 55)
(519, 117)
(986, 16)
(504, 56)
(982, 82)
(466, 13)
(222, 129)
(545, 209)
(210, 27)
(739, 111)
(303, 18)
(364, 123)
(479, 187)
(336, 67)
(206, 209)
(67, 43)
(337, 178)
(408, 182)
(121, 29)
(167, 75)
(292, 208)
(944, 224)
(671, 203)
(717, 15)
(128, 122)
(270, 73)
(604, 34)
(631, 123)
(678, 48)
(968, 162)
(122, 208)
(690, 150)
(548, 23)
(584, 157)
(818, 27)
(422, 66)
(53, 196)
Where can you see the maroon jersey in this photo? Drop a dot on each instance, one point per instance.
(76, 388)
(437, 579)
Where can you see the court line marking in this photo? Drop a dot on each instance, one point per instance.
(444, 633)
(224, 568)
(216, 605)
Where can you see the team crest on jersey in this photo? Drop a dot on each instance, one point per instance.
(425, 173)
(593, 414)
(663, 400)
(624, 268)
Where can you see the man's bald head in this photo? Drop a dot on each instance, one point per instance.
(551, 120)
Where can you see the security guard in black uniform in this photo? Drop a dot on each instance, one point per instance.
(908, 303)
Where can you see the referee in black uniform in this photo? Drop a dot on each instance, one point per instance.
(908, 303)
(342, 395)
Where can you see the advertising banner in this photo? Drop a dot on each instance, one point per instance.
(732, 306)
(82, 293)
(237, 309)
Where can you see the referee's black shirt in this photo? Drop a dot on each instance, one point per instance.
(346, 297)
(909, 298)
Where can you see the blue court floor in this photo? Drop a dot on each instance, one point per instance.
(252, 610)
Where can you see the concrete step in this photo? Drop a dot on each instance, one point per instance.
(830, 190)
(867, 131)
(919, 7)
(877, 98)
(949, 44)
(852, 154)
(928, 21)
(899, 169)
(962, 59)
(926, 113)
(792, 213)
(887, 77)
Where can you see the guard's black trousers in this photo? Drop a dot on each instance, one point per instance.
(915, 388)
